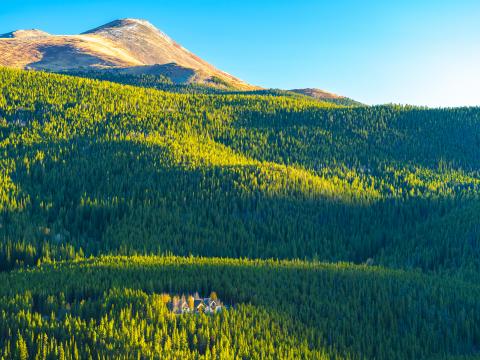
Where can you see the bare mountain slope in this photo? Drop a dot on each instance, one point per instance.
(317, 93)
(24, 34)
(325, 96)
(121, 44)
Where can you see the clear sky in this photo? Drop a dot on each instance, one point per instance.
(424, 52)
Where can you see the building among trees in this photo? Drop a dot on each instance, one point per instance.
(196, 304)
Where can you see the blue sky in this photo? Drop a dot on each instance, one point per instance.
(424, 52)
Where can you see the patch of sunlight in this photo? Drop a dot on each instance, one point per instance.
(267, 177)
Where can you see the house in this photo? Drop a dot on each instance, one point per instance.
(195, 304)
(213, 305)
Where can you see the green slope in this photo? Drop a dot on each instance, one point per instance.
(278, 310)
(92, 168)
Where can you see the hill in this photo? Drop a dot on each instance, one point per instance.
(270, 317)
(325, 96)
(128, 51)
(333, 231)
(125, 46)
(159, 77)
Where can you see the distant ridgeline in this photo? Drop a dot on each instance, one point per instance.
(163, 82)
(159, 82)
(101, 183)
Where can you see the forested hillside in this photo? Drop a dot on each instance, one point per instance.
(215, 86)
(112, 195)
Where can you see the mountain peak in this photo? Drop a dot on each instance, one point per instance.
(125, 24)
(134, 20)
(18, 34)
(119, 44)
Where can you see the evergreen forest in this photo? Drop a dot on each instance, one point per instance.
(335, 230)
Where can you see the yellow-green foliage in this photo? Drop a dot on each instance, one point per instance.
(279, 309)
(92, 170)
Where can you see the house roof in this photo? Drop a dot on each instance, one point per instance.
(198, 302)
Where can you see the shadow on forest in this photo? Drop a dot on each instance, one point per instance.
(124, 197)
(418, 137)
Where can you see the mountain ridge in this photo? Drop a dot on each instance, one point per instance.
(317, 93)
(119, 44)
(323, 95)
(124, 46)
(24, 34)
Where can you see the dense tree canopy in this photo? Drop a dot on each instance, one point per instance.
(96, 170)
